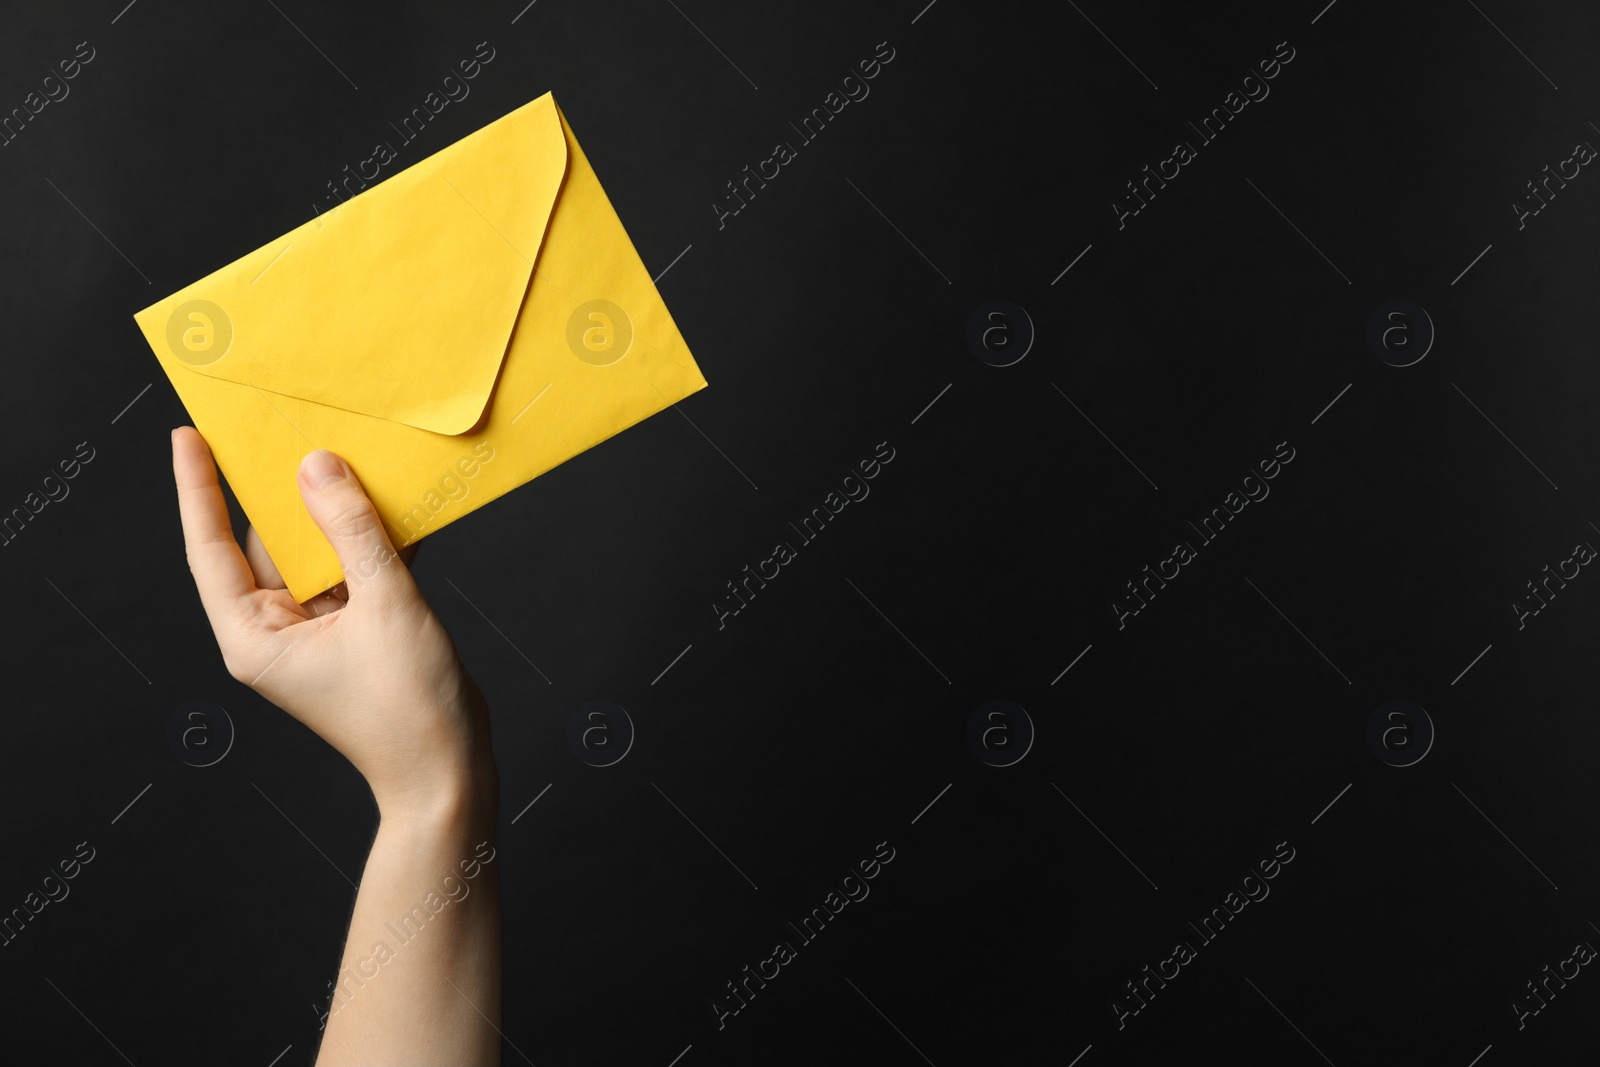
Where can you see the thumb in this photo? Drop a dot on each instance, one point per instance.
(346, 517)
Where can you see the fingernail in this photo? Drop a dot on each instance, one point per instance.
(321, 469)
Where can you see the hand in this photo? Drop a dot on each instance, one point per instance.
(367, 665)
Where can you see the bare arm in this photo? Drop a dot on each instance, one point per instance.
(370, 669)
(420, 978)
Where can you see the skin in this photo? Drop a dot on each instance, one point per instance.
(369, 668)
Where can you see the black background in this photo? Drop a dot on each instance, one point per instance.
(826, 716)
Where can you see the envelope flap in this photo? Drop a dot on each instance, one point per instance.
(400, 302)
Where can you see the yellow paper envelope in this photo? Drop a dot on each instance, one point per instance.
(453, 332)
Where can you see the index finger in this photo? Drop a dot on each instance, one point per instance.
(220, 570)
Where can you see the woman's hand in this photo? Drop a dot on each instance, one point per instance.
(367, 665)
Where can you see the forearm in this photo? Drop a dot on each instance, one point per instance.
(419, 982)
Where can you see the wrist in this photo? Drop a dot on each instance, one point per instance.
(457, 787)
(461, 796)
(444, 831)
